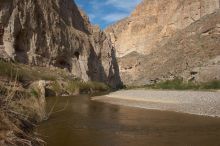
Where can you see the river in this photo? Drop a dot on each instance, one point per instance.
(89, 123)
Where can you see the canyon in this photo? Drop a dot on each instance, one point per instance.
(47, 48)
(57, 34)
(50, 48)
(160, 40)
(168, 39)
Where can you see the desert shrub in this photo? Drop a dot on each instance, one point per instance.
(89, 86)
(56, 87)
(7, 69)
(95, 86)
(176, 84)
(179, 84)
(73, 86)
(211, 85)
(100, 86)
(22, 73)
(16, 118)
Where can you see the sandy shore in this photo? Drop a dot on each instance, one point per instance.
(192, 102)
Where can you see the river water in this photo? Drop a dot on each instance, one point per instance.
(78, 121)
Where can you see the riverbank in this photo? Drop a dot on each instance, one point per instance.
(89, 123)
(193, 102)
(23, 92)
(20, 111)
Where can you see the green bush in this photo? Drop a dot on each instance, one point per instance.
(56, 87)
(73, 86)
(97, 86)
(176, 84)
(211, 85)
(179, 84)
(89, 86)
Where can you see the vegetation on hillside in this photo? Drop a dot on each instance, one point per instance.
(179, 84)
(60, 80)
(24, 72)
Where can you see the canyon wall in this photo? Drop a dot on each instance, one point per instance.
(154, 21)
(164, 39)
(55, 33)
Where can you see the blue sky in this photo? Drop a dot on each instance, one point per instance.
(106, 12)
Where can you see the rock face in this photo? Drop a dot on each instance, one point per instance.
(156, 20)
(167, 39)
(55, 33)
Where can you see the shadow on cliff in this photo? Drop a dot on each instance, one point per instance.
(72, 15)
(23, 36)
(97, 72)
(115, 76)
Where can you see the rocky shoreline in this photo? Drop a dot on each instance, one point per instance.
(191, 102)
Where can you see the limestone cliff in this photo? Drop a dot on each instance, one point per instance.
(154, 21)
(166, 39)
(55, 33)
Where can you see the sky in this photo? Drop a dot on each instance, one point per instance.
(106, 12)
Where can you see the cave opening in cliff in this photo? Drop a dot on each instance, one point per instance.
(76, 54)
(1, 34)
(20, 44)
(63, 63)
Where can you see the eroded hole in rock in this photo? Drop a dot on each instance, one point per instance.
(1, 34)
(128, 68)
(76, 54)
(19, 45)
(63, 63)
(193, 72)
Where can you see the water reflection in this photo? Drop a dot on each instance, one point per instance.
(89, 123)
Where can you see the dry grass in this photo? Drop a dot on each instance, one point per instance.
(73, 87)
(28, 73)
(15, 125)
(21, 110)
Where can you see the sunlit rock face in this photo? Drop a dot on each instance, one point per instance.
(145, 41)
(55, 33)
(156, 20)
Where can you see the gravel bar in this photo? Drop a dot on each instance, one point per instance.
(192, 102)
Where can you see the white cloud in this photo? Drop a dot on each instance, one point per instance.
(113, 17)
(96, 5)
(126, 5)
(91, 16)
(105, 12)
